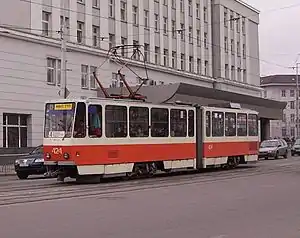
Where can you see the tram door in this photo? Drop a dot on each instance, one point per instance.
(199, 137)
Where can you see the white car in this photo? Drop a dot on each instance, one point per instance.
(273, 148)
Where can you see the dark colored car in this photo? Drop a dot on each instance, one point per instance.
(295, 150)
(31, 164)
(273, 148)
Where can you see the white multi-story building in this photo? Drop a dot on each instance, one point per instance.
(282, 88)
(200, 42)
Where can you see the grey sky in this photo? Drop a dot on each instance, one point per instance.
(279, 34)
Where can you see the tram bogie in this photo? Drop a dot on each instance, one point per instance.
(108, 137)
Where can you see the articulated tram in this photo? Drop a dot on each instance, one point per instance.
(105, 136)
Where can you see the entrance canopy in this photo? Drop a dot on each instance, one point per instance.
(203, 96)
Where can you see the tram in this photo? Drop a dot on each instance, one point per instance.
(116, 137)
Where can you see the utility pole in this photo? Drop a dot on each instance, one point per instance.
(63, 83)
(297, 102)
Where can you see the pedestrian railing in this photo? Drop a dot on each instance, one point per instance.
(7, 169)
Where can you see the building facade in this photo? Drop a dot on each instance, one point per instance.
(181, 41)
(282, 88)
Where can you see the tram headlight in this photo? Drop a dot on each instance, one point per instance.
(66, 156)
(48, 156)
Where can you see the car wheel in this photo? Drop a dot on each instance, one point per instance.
(22, 175)
(292, 154)
(276, 155)
(285, 155)
(266, 158)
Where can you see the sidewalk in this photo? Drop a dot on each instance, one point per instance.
(7, 170)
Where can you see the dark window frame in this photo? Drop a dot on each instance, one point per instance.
(221, 131)
(208, 131)
(153, 132)
(230, 129)
(174, 121)
(120, 123)
(191, 123)
(139, 123)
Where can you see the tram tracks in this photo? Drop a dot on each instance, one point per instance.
(56, 192)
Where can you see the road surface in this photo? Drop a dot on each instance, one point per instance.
(260, 201)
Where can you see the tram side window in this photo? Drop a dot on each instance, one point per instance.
(191, 123)
(217, 124)
(253, 125)
(159, 122)
(208, 124)
(95, 121)
(178, 123)
(241, 124)
(230, 124)
(115, 121)
(139, 122)
(80, 121)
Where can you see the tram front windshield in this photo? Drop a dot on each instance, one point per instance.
(59, 118)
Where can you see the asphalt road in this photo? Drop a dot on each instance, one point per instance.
(254, 202)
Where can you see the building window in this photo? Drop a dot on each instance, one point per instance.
(182, 66)
(292, 117)
(245, 76)
(135, 15)
(157, 55)
(181, 6)
(226, 44)
(67, 26)
(283, 131)
(136, 56)
(226, 71)
(238, 23)
(112, 40)
(156, 23)
(205, 40)
(46, 23)
(238, 49)
(111, 8)
(146, 52)
(146, 16)
(182, 31)
(80, 30)
(206, 67)
(123, 11)
(283, 93)
(173, 4)
(231, 20)
(198, 10)
(232, 73)
(165, 25)
(84, 76)
(198, 66)
(53, 71)
(123, 42)
(243, 26)
(191, 64)
(166, 57)
(292, 105)
(174, 29)
(205, 14)
(190, 8)
(190, 35)
(92, 77)
(225, 17)
(95, 3)
(15, 130)
(198, 38)
(96, 36)
(232, 47)
(239, 74)
(292, 93)
(174, 60)
(292, 131)
(244, 51)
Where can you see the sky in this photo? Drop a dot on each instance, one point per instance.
(279, 32)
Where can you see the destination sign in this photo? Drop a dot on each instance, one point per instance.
(65, 106)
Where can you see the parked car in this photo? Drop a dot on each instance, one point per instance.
(295, 150)
(31, 164)
(273, 148)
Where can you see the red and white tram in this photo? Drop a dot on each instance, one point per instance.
(111, 137)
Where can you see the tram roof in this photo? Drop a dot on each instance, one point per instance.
(170, 93)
